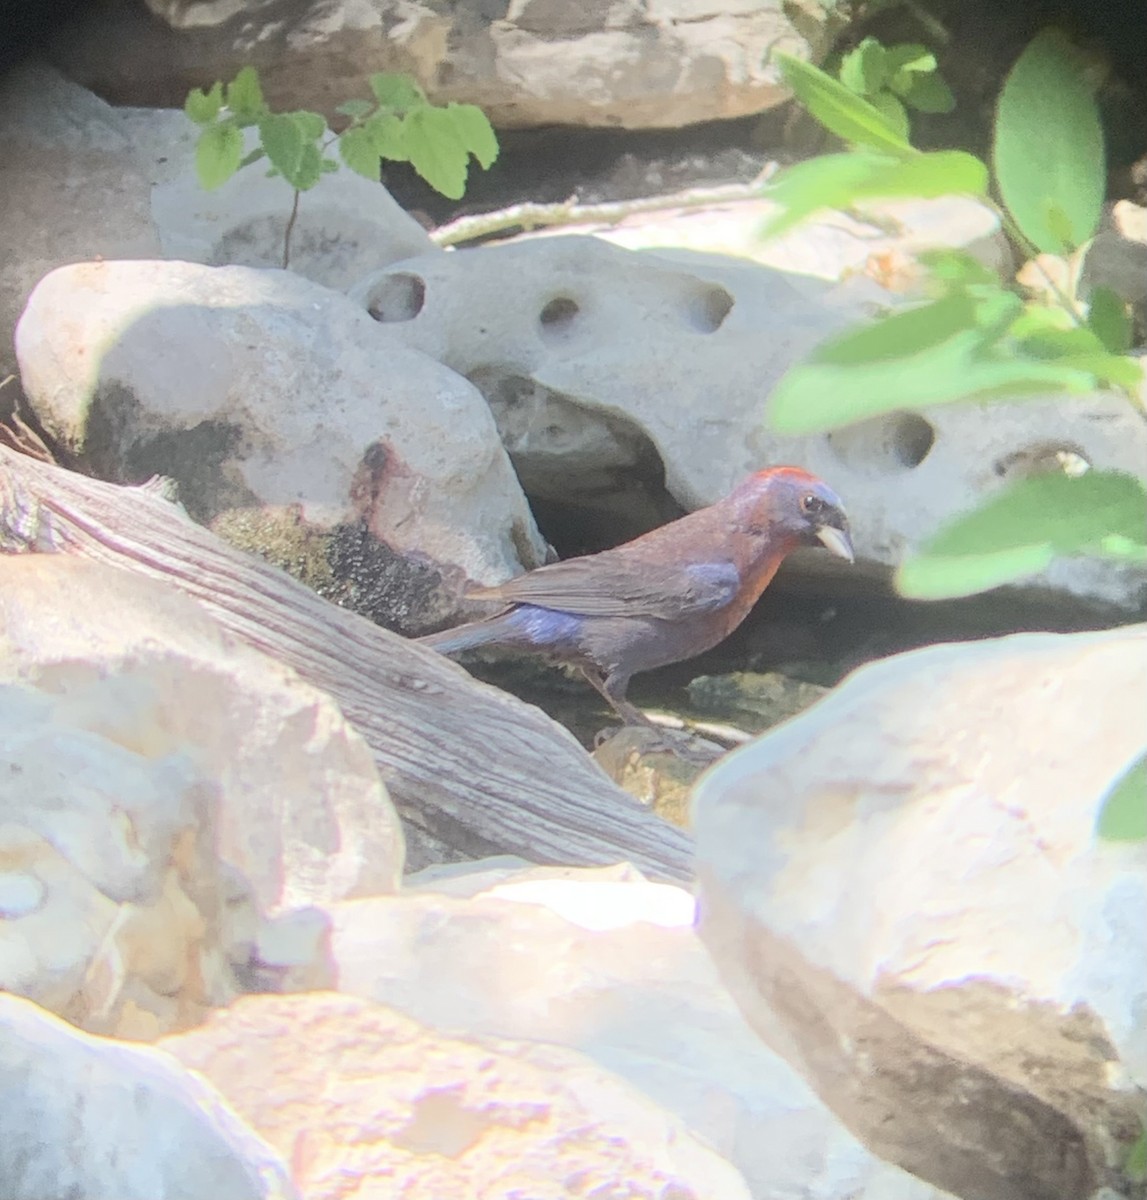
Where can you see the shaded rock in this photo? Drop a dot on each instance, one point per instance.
(753, 700)
(609, 964)
(88, 1118)
(342, 1087)
(84, 181)
(657, 766)
(904, 891)
(635, 64)
(289, 420)
(593, 359)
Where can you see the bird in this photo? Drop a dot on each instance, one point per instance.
(665, 596)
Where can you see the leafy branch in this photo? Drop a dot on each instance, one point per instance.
(398, 125)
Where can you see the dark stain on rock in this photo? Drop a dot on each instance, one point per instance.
(121, 444)
(403, 592)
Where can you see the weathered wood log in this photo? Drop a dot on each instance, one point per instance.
(475, 768)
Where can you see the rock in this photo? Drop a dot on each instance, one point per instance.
(608, 964)
(754, 700)
(88, 1118)
(348, 1089)
(84, 181)
(302, 813)
(657, 766)
(603, 365)
(904, 891)
(637, 64)
(292, 423)
(167, 789)
(835, 247)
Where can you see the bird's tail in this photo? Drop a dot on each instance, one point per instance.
(466, 637)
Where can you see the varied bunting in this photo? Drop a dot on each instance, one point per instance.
(665, 596)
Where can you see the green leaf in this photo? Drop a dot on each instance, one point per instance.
(934, 354)
(1022, 529)
(1109, 320)
(396, 91)
(910, 57)
(436, 151)
(1123, 817)
(957, 268)
(1135, 1165)
(357, 149)
(357, 109)
(311, 124)
(252, 156)
(283, 141)
(475, 132)
(862, 70)
(309, 170)
(1049, 155)
(840, 111)
(245, 95)
(329, 166)
(892, 111)
(388, 135)
(841, 180)
(203, 107)
(930, 94)
(218, 154)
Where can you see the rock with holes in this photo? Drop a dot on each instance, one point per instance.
(292, 423)
(628, 984)
(90, 1118)
(84, 180)
(604, 366)
(345, 1089)
(904, 890)
(634, 64)
(166, 791)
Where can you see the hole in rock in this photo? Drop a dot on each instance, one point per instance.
(709, 308)
(884, 445)
(558, 315)
(1042, 459)
(397, 297)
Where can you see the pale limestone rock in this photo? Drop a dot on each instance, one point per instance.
(167, 789)
(291, 422)
(344, 1088)
(298, 805)
(606, 963)
(631, 64)
(904, 890)
(83, 180)
(87, 1118)
(597, 361)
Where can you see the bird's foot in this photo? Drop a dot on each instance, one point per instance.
(647, 737)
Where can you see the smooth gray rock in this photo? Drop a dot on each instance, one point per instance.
(904, 891)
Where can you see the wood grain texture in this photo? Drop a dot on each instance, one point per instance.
(467, 764)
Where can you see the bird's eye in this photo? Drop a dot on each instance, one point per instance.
(812, 506)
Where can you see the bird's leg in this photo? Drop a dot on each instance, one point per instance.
(612, 688)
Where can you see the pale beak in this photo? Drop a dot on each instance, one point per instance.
(836, 541)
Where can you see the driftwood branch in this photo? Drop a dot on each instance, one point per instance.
(474, 767)
(611, 212)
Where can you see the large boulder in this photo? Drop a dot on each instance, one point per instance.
(83, 180)
(348, 1089)
(635, 64)
(169, 790)
(292, 423)
(603, 365)
(608, 964)
(87, 1119)
(904, 890)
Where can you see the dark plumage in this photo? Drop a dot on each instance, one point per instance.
(667, 595)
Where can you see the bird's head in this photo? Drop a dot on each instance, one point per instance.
(788, 504)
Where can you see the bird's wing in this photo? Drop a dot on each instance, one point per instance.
(601, 586)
